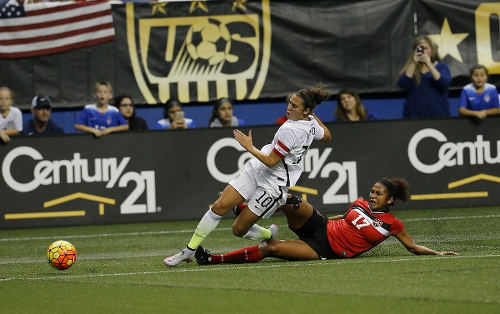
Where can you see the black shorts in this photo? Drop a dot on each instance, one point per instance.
(313, 232)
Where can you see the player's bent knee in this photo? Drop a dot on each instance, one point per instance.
(220, 209)
(238, 231)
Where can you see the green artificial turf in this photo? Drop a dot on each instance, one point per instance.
(120, 270)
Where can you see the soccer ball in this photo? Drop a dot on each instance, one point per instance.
(61, 255)
(209, 40)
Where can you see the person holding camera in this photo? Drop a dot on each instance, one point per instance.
(426, 79)
(174, 117)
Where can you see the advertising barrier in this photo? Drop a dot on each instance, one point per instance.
(175, 175)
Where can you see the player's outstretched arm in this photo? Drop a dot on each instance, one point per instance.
(416, 249)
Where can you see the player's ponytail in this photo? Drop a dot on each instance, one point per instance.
(398, 188)
(313, 96)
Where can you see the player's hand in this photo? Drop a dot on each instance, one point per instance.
(447, 253)
(245, 140)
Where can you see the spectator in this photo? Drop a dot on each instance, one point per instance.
(174, 117)
(11, 118)
(222, 115)
(101, 118)
(426, 79)
(41, 124)
(127, 108)
(350, 107)
(479, 99)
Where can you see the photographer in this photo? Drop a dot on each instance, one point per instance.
(174, 117)
(426, 79)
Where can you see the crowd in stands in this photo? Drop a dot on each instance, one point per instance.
(425, 78)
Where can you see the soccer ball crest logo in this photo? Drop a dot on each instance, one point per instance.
(209, 40)
(61, 255)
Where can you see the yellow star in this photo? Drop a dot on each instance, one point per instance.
(239, 4)
(198, 4)
(448, 42)
(159, 6)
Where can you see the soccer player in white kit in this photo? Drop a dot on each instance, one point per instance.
(266, 178)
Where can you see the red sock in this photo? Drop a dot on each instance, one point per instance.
(246, 255)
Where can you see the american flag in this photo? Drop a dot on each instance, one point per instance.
(52, 27)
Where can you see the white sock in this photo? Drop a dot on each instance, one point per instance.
(208, 223)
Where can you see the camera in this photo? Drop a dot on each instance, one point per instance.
(179, 115)
(420, 49)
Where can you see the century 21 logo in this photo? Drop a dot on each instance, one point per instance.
(78, 170)
(199, 58)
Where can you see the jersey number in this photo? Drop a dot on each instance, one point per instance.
(361, 225)
(264, 202)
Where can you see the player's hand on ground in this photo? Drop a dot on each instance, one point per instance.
(244, 140)
(447, 253)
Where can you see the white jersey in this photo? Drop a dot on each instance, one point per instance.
(291, 143)
(14, 120)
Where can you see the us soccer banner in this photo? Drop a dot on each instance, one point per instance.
(52, 27)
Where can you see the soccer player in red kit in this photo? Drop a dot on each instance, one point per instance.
(362, 227)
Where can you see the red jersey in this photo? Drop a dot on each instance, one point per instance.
(361, 230)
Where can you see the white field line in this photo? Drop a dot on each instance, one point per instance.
(99, 235)
(450, 218)
(156, 253)
(239, 268)
(124, 234)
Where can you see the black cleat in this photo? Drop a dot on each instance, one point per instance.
(238, 208)
(294, 200)
(202, 256)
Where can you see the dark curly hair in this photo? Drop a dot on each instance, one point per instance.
(313, 96)
(398, 188)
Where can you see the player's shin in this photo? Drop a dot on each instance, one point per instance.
(208, 223)
(246, 255)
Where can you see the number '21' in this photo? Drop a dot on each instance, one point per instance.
(347, 173)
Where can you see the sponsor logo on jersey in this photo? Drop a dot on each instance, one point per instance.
(376, 222)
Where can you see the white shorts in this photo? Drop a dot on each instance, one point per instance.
(263, 196)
